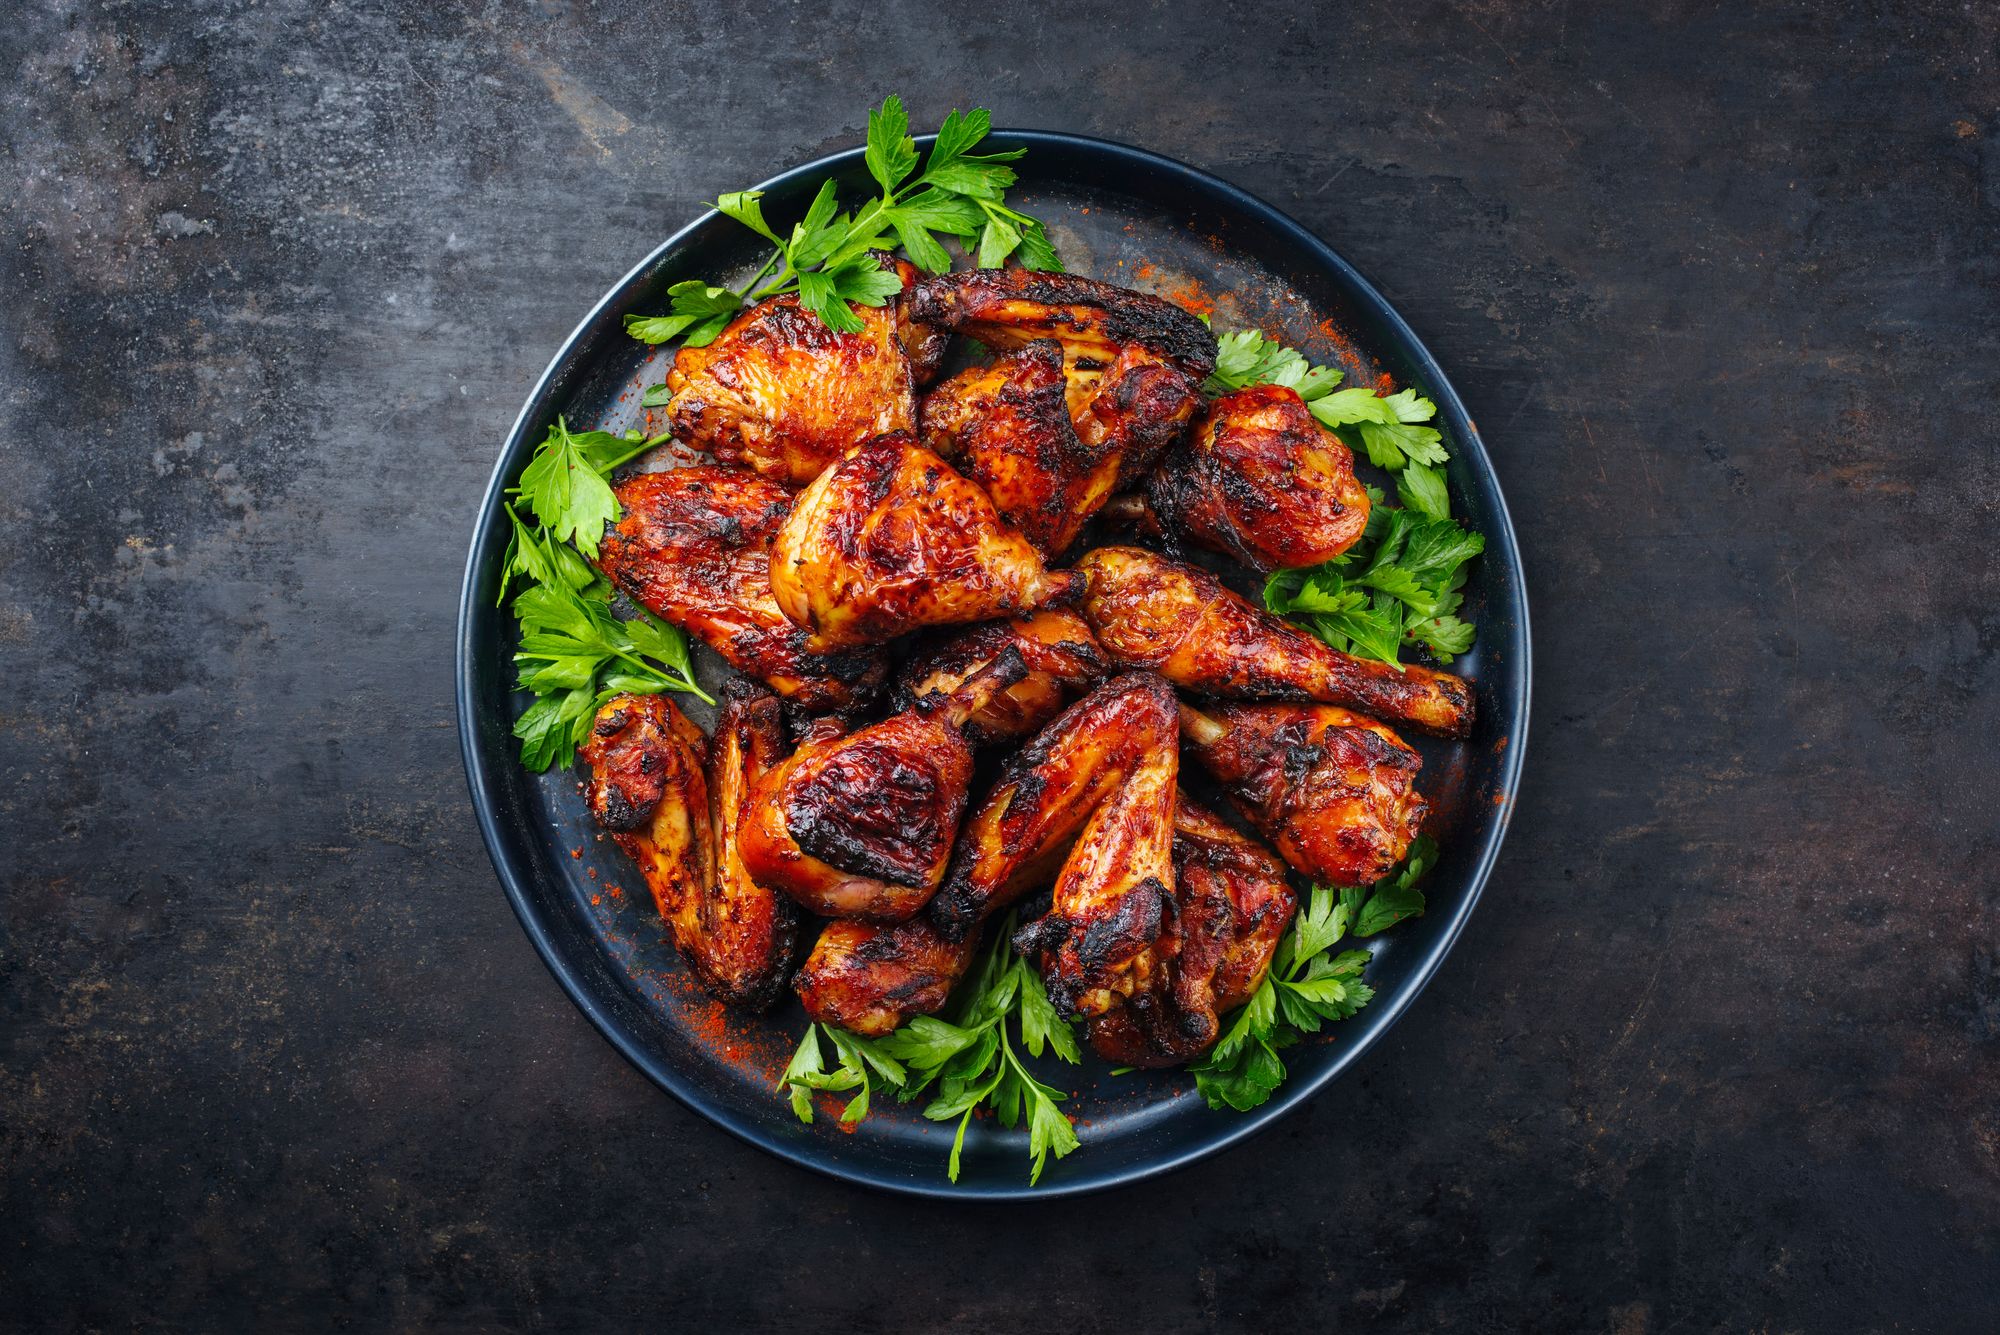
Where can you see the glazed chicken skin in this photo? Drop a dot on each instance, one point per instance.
(861, 825)
(1100, 940)
(785, 395)
(1132, 368)
(1150, 611)
(868, 979)
(891, 539)
(1233, 904)
(693, 547)
(1092, 321)
(676, 819)
(1261, 480)
(1061, 655)
(1006, 425)
(1334, 792)
(1017, 836)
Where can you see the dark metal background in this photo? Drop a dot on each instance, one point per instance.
(1719, 1049)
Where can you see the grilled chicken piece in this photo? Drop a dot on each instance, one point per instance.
(648, 788)
(693, 547)
(890, 539)
(1015, 839)
(1132, 368)
(1149, 611)
(1233, 905)
(1100, 940)
(781, 392)
(867, 978)
(1006, 426)
(1093, 322)
(1334, 792)
(1261, 480)
(1062, 659)
(861, 826)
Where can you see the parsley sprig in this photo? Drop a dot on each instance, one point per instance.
(1308, 984)
(574, 652)
(972, 1059)
(1402, 584)
(824, 257)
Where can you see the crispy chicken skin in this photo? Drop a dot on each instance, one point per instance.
(1006, 426)
(1261, 480)
(1150, 611)
(676, 819)
(891, 539)
(1334, 792)
(693, 547)
(1100, 940)
(867, 978)
(871, 978)
(1093, 321)
(1016, 837)
(780, 392)
(861, 826)
(1233, 904)
(1132, 369)
(1062, 658)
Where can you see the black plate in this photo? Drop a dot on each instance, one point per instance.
(1116, 213)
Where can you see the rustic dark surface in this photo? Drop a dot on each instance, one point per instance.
(1722, 1047)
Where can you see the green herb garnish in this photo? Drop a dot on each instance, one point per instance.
(1308, 985)
(574, 652)
(824, 257)
(971, 1058)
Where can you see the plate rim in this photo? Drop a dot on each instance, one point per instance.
(514, 880)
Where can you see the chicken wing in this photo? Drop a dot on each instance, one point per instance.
(1006, 425)
(1334, 792)
(648, 788)
(1261, 480)
(781, 392)
(890, 539)
(868, 978)
(1093, 322)
(861, 826)
(1233, 905)
(1132, 369)
(693, 547)
(1152, 612)
(1100, 940)
(1015, 839)
(1062, 659)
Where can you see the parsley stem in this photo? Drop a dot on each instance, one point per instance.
(743, 292)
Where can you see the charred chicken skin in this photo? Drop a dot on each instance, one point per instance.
(1334, 792)
(891, 539)
(782, 393)
(1016, 837)
(1150, 611)
(868, 979)
(1006, 426)
(1132, 367)
(693, 547)
(1101, 939)
(677, 821)
(1261, 480)
(861, 825)
(1062, 659)
(1233, 904)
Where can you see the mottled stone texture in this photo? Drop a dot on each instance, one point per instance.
(1721, 1048)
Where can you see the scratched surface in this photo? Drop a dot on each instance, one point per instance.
(1721, 1049)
